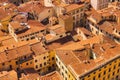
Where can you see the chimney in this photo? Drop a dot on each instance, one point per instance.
(89, 52)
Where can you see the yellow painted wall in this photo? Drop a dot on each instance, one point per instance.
(5, 23)
(67, 23)
(106, 70)
(40, 60)
(27, 64)
(7, 64)
(51, 55)
(61, 67)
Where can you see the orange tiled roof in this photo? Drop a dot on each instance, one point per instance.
(78, 60)
(8, 55)
(31, 6)
(52, 76)
(11, 75)
(72, 7)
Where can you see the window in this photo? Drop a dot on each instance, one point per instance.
(27, 39)
(49, 68)
(36, 66)
(40, 65)
(48, 10)
(65, 78)
(10, 66)
(113, 73)
(77, 11)
(17, 62)
(35, 60)
(97, 32)
(62, 67)
(41, 30)
(62, 74)
(61, 35)
(94, 72)
(24, 57)
(3, 64)
(26, 63)
(118, 71)
(114, 66)
(32, 37)
(44, 63)
(99, 75)
(52, 58)
(31, 62)
(69, 76)
(66, 72)
(109, 69)
(17, 69)
(59, 63)
(53, 65)
(104, 72)
(103, 78)
(39, 70)
(117, 77)
(44, 57)
(92, 29)
(56, 59)
(119, 64)
(94, 78)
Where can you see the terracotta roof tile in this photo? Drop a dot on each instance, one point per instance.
(72, 7)
(11, 75)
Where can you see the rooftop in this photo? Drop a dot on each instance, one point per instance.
(38, 48)
(15, 25)
(60, 43)
(86, 32)
(7, 55)
(7, 10)
(32, 6)
(107, 27)
(30, 74)
(58, 29)
(79, 45)
(10, 43)
(11, 75)
(21, 17)
(78, 59)
(73, 7)
(52, 76)
(34, 26)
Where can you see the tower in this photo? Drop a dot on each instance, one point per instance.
(99, 4)
(48, 3)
